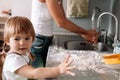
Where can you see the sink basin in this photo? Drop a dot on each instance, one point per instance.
(78, 45)
(84, 45)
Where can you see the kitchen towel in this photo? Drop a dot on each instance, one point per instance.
(77, 8)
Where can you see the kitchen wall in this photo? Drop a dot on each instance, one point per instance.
(4, 4)
(23, 8)
(104, 5)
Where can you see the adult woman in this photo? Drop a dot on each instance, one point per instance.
(42, 16)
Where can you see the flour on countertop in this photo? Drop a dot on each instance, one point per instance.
(84, 60)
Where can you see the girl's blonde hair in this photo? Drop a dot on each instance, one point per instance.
(16, 25)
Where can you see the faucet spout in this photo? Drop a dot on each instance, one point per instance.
(116, 22)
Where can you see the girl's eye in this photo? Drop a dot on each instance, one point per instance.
(17, 39)
(27, 38)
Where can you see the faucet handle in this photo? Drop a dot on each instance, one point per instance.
(116, 46)
(103, 36)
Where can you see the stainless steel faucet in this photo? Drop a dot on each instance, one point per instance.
(116, 31)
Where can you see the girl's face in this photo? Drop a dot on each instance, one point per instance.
(20, 43)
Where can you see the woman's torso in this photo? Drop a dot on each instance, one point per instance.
(41, 18)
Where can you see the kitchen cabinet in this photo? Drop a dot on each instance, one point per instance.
(2, 24)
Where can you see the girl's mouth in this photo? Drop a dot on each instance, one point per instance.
(22, 49)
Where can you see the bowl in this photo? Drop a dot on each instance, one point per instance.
(112, 61)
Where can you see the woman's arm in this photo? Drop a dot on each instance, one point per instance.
(56, 9)
(58, 14)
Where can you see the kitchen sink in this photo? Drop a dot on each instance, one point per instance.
(78, 45)
(84, 45)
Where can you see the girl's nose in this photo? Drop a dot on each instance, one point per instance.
(22, 42)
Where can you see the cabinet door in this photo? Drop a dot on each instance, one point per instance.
(2, 24)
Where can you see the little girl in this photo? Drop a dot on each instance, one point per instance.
(18, 37)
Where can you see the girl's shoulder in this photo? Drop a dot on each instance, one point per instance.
(16, 58)
(12, 54)
(12, 57)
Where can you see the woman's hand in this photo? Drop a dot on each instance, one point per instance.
(64, 67)
(91, 36)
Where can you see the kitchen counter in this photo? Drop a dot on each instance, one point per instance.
(89, 64)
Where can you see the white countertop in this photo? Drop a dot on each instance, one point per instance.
(90, 64)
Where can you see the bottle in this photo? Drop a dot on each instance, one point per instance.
(116, 49)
